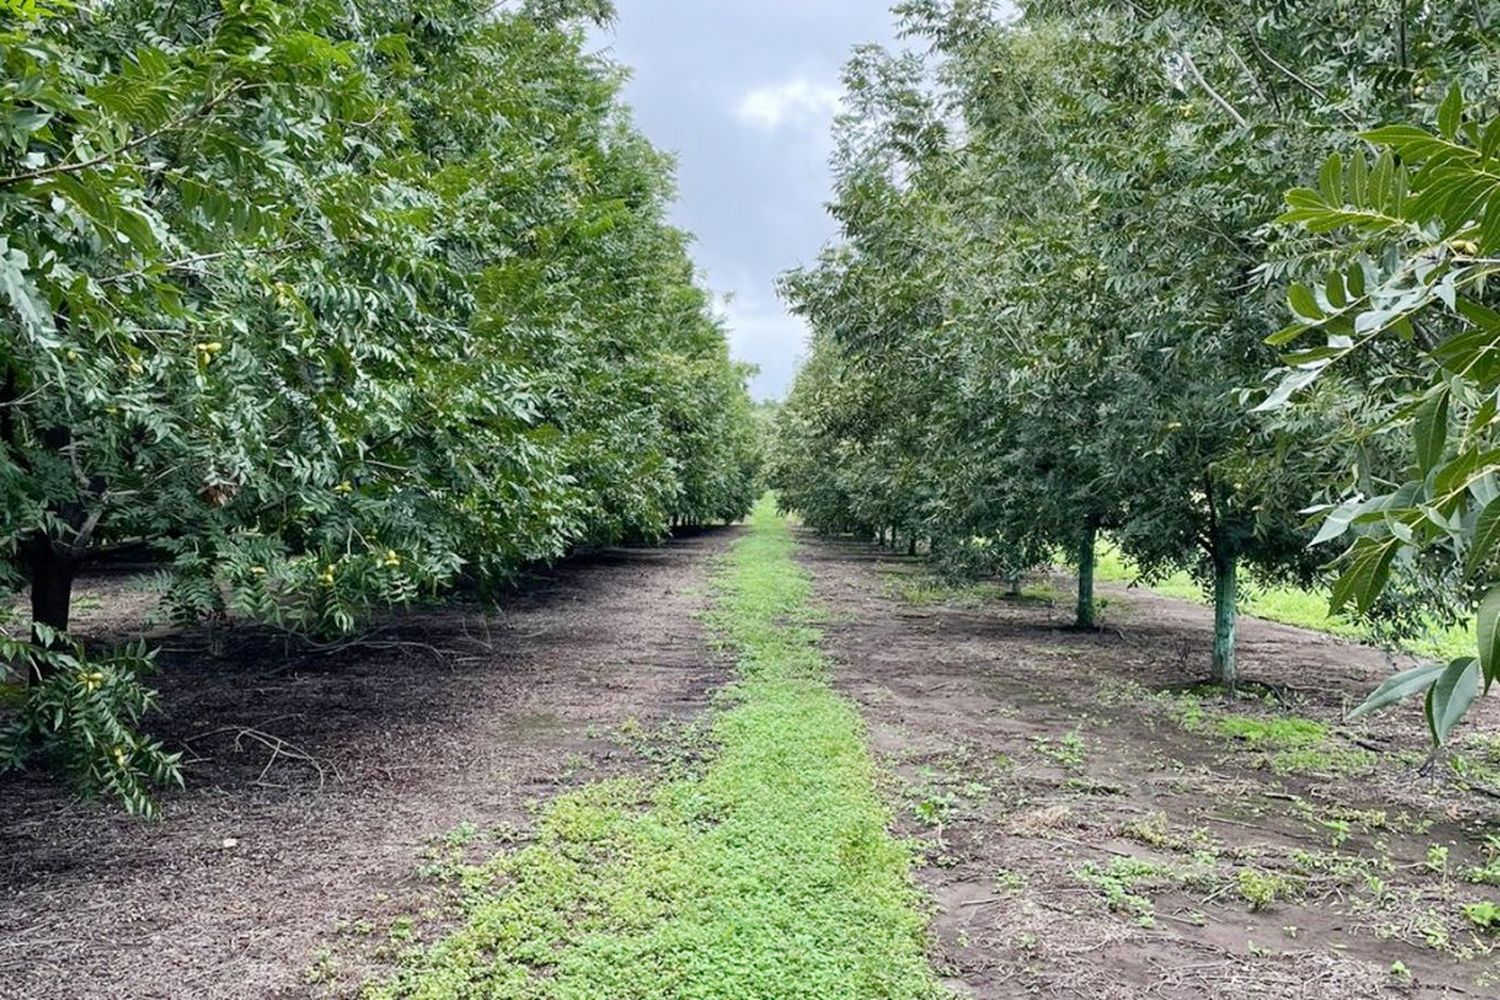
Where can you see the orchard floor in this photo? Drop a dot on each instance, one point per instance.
(280, 854)
(1087, 826)
(1091, 829)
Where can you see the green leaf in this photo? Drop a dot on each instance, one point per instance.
(1369, 566)
(1487, 623)
(1357, 280)
(1331, 180)
(1485, 537)
(1398, 136)
(1489, 227)
(1288, 334)
(1451, 112)
(1293, 382)
(1450, 697)
(1431, 429)
(1359, 175)
(1303, 302)
(18, 290)
(1489, 141)
(1400, 687)
(1337, 522)
(1333, 287)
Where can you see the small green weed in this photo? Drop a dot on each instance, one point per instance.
(1009, 883)
(1275, 733)
(926, 591)
(1154, 830)
(1118, 882)
(1070, 750)
(322, 968)
(1487, 873)
(1477, 761)
(1261, 888)
(1484, 915)
(934, 809)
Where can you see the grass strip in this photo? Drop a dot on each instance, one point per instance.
(771, 874)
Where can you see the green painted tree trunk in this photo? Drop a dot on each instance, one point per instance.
(1226, 615)
(1085, 617)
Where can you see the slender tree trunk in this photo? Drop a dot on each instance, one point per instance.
(911, 544)
(1013, 585)
(1226, 615)
(1086, 544)
(53, 568)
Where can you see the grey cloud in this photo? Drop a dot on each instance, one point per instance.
(740, 92)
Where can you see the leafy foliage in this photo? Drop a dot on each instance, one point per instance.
(1047, 314)
(85, 714)
(1419, 230)
(331, 303)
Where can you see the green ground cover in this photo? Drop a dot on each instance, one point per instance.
(768, 872)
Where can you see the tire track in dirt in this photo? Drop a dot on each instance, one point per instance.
(1080, 841)
(453, 717)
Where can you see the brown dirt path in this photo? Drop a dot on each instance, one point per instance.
(275, 850)
(1088, 836)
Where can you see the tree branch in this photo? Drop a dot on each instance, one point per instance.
(1297, 79)
(1229, 109)
(182, 263)
(173, 125)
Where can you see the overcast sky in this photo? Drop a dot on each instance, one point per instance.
(744, 94)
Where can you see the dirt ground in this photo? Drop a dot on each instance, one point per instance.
(317, 782)
(1088, 825)
(1091, 831)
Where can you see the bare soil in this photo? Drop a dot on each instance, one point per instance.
(1086, 835)
(1087, 829)
(319, 781)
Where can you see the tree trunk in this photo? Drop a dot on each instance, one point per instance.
(53, 568)
(911, 545)
(1226, 612)
(1085, 618)
(1013, 585)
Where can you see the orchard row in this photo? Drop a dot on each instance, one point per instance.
(1069, 239)
(326, 304)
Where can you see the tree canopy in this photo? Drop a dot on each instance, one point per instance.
(1050, 310)
(329, 304)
